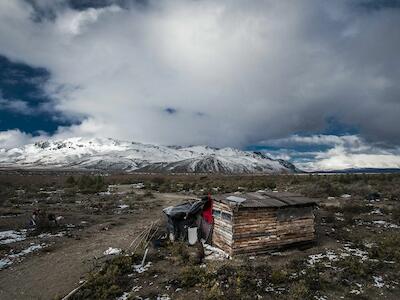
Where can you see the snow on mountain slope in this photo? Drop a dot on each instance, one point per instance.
(110, 154)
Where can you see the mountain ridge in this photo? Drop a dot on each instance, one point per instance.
(112, 154)
(360, 171)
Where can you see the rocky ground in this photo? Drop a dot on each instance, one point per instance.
(356, 255)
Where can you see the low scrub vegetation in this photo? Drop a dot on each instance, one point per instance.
(357, 255)
(87, 184)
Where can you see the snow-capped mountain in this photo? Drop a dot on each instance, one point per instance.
(110, 154)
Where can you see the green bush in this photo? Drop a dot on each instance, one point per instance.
(70, 181)
(271, 185)
(355, 269)
(90, 184)
(148, 194)
(396, 215)
(180, 251)
(299, 291)
(387, 247)
(109, 282)
(322, 189)
(279, 276)
(191, 276)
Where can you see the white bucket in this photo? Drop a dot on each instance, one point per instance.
(192, 235)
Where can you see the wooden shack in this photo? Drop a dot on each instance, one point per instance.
(258, 222)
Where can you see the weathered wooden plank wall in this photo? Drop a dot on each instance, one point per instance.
(257, 230)
(223, 229)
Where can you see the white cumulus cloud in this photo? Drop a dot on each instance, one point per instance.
(342, 152)
(223, 73)
(14, 138)
(340, 158)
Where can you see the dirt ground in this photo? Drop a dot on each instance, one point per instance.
(356, 254)
(54, 272)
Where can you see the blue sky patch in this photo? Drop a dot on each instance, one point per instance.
(297, 148)
(300, 152)
(22, 99)
(379, 4)
(170, 110)
(336, 127)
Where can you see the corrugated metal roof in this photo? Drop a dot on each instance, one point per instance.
(266, 199)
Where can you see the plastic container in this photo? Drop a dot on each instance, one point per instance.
(192, 235)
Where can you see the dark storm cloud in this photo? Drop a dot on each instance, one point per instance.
(85, 4)
(257, 70)
(49, 9)
(23, 102)
(43, 10)
(378, 4)
(170, 110)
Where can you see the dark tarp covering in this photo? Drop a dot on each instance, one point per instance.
(183, 216)
(184, 210)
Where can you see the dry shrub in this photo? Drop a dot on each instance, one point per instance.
(109, 282)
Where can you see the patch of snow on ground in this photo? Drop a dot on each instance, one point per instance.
(8, 216)
(378, 281)
(339, 216)
(136, 288)
(376, 211)
(163, 297)
(123, 206)
(105, 193)
(124, 296)
(4, 262)
(112, 251)
(9, 259)
(12, 236)
(363, 255)
(330, 256)
(317, 258)
(385, 224)
(369, 245)
(49, 235)
(140, 268)
(355, 292)
(213, 253)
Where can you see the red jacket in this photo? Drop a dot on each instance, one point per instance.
(207, 211)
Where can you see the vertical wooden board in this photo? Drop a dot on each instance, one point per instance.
(223, 229)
